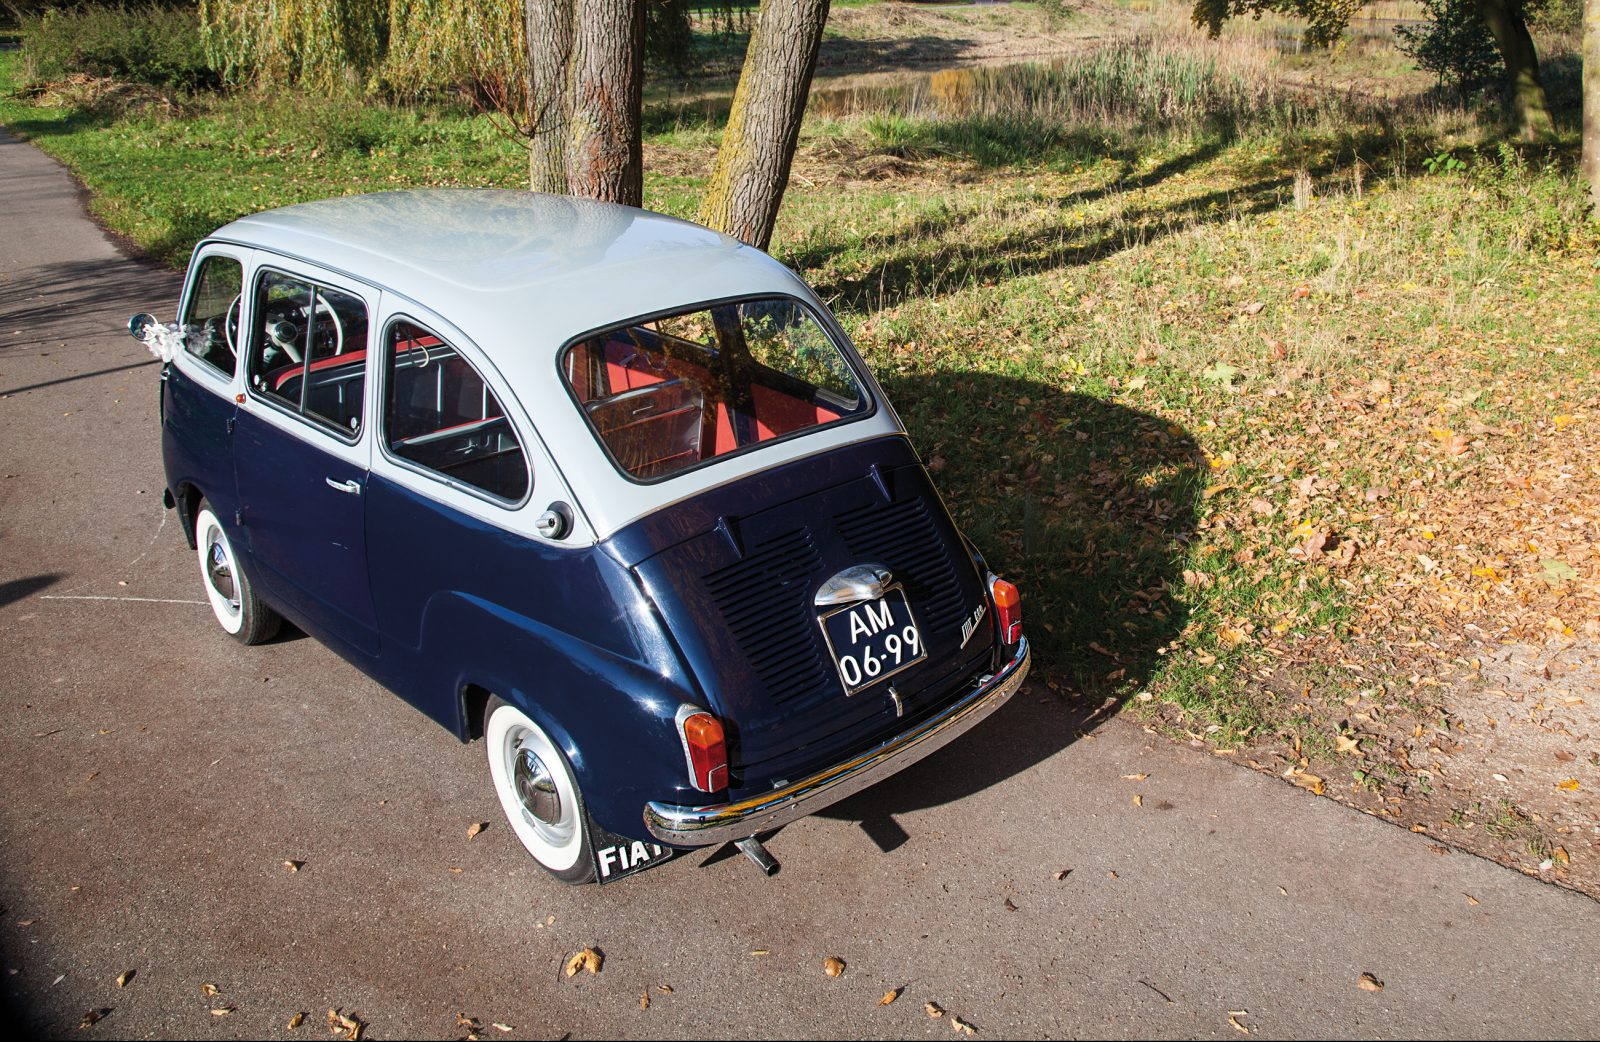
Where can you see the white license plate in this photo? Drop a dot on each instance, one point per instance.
(873, 640)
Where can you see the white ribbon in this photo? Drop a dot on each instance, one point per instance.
(165, 340)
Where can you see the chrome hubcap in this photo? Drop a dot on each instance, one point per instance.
(536, 789)
(219, 571)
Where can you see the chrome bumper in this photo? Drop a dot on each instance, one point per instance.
(725, 822)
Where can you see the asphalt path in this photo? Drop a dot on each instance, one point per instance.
(156, 777)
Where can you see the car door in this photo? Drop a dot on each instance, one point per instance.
(198, 385)
(301, 448)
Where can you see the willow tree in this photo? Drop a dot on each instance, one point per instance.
(753, 160)
(1530, 104)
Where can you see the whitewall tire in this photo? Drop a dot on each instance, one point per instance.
(538, 793)
(233, 601)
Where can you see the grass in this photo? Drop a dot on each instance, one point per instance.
(1187, 342)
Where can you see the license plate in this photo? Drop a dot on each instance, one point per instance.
(873, 639)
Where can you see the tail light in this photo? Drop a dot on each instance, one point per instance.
(704, 749)
(1007, 610)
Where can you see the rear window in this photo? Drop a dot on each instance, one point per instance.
(674, 392)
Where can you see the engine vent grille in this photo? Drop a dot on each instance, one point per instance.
(766, 601)
(902, 536)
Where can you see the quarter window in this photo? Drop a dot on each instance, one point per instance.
(309, 350)
(441, 416)
(211, 325)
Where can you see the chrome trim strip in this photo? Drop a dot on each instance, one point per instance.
(727, 822)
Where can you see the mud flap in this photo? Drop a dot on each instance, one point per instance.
(617, 856)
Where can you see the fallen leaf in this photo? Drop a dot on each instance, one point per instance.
(833, 966)
(1138, 800)
(1252, 308)
(476, 827)
(93, 1016)
(961, 1027)
(1456, 444)
(933, 1009)
(1233, 1018)
(208, 989)
(292, 866)
(124, 977)
(26, 922)
(1473, 901)
(296, 1020)
(1064, 873)
(1347, 744)
(221, 1011)
(587, 959)
(1369, 983)
(1306, 781)
(760, 951)
(1135, 777)
(498, 1026)
(1138, 383)
(1555, 572)
(1569, 785)
(1221, 373)
(339, 1021)
(1300, 292)
(644, 1000)
(1009, 906)
(665, 989)
(1560, 856)
(889, 996)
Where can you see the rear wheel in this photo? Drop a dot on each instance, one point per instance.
(538, 793)
(228, 590)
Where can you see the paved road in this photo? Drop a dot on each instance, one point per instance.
(156, 776)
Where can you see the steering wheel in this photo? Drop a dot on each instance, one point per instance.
(286, 340)
(230, 325)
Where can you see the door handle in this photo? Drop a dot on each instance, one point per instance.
(352, 487)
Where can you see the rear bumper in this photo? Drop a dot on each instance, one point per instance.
(725, 822)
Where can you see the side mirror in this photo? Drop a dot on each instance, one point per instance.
(139, 326)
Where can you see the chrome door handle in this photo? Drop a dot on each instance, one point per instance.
(352, 487)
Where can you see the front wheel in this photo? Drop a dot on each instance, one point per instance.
(233, 601)
(538, 793)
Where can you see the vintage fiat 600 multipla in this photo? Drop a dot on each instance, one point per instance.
(606, 489)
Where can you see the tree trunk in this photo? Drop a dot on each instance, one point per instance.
(1591, 102)
(605, 156)
(549, 27)
(1530, 105)
(752, 167)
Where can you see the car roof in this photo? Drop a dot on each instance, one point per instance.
(553, 265)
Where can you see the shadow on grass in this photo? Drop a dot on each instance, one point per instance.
(1091, 520)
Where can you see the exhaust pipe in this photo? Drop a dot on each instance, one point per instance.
(752, 849)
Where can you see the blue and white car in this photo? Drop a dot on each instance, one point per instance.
(605, 489)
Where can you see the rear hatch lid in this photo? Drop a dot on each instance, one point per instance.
(735, 573)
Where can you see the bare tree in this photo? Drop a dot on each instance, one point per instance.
(1591, 102)
(752, 167)
(585, 91)
(549, 24)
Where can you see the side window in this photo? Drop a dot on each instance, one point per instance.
(309, 350)
(211, 325)
(440, 415)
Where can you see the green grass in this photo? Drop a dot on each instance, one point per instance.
(1126, 309)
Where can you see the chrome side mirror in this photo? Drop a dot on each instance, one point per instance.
(139, 327)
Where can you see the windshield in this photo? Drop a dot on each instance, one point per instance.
(675, 392)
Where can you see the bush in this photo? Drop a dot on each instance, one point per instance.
(150, 43)
(1454, 45)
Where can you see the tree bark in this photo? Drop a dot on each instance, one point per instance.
(605, 154)
(752, 167)
(1530, 105)
(549, 30)
(1591, 103)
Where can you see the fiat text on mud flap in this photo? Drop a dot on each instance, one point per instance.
(605, 489)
